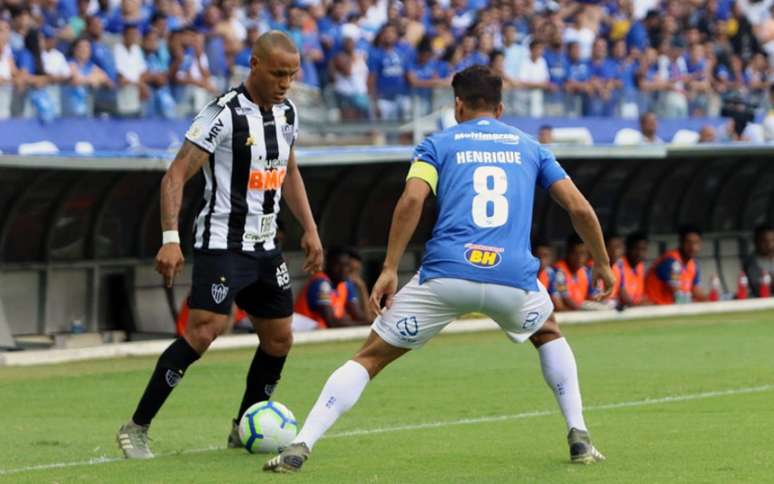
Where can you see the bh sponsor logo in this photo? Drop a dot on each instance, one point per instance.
(483, 256)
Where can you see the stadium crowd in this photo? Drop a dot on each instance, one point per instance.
(370, 58)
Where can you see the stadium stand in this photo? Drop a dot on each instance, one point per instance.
(597, 58)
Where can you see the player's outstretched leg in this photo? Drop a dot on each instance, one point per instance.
(201, 331)
(340, 393)
(276, 337)
(561, 374)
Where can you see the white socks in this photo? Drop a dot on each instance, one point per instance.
(561, 374)
(340, 393)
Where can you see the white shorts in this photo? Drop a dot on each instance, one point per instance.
(419, 312)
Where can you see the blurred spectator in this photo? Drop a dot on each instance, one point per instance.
(768, 122)
(605, 81)
(648, 129)
(131, 68)
(8, 74)
(707, 134)
(546, 134)
(86, 76)
(387, 84)
(615, 251)
(36, 81)
(355, 275)
(625, 95)
(533, 79)
(632, 271)
(190, 72)
(425, 74)
(697, 80)
(329, 297)
(308, 43)
(578, 85)
(675, 276)
(545, 254)
(759, 267)
(672, 71)
(571, 283)
(101, 55)
(160, 101)
(350, 81)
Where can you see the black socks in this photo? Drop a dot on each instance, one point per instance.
(169, 370)
(263, 376)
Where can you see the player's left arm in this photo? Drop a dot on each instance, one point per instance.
(298, 203)
(405, 219)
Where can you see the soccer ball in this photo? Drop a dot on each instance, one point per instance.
(267, 427)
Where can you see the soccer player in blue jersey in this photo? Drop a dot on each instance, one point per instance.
(483, 173)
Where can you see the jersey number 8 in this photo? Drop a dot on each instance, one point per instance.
(485, 197)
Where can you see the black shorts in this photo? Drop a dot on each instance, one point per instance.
(258, 283)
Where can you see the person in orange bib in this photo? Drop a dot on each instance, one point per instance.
(571, 284)
(631, 270)
(545, 254)
(329, 297)
(674, 277)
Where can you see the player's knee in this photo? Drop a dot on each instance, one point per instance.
(200, 337)
(278, 344)
(549, 332)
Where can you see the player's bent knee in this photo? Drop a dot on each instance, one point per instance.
(278, 344)
(549, 332)
(201, 336)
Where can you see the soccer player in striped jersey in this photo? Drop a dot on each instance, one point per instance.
(243, 142)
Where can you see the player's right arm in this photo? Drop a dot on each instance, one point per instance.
(586, 224)
(189, 160)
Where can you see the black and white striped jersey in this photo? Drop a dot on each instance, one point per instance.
(249, 149)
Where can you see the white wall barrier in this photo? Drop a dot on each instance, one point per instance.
(155, 347)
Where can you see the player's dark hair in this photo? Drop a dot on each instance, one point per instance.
(540, 242)
(635, 238)
(684, 230)
(573, 241)
(478, 87)
(761, 230)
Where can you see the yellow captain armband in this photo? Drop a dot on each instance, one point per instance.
(424, 171)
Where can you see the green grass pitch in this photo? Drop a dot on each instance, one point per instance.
(673, 400)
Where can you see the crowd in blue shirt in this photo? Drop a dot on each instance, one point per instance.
(381, 57)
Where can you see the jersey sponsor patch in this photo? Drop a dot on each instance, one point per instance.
(266, 180)
(483, 256)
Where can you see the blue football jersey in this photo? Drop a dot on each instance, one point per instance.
(486, 177)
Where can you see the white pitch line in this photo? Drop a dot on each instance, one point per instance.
(429, 425)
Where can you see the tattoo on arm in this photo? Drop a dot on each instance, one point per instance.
(188, 161)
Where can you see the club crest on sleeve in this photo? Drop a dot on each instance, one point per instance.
(219, 292)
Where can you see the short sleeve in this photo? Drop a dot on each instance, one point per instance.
(352, 295)
(319, 294)
(210, 127)
(697, 277)
(425, 164)
(669, 270)
(549, 171)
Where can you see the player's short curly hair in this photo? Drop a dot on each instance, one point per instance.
(478, 87)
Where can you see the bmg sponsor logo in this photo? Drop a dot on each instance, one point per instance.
(483, 256)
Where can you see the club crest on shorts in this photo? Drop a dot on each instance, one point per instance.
(173, 378)
(219, 291)
(269, 389)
